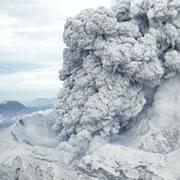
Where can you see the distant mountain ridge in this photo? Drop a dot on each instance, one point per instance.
(43, 102)
(12, 108)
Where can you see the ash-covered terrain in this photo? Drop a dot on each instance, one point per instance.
(117, 117)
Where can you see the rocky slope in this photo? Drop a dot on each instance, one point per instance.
(114, 162)
(23, 162)
(111, 162)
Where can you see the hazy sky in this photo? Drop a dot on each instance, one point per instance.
(31, 45)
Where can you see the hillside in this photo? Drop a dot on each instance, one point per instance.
(11, 108)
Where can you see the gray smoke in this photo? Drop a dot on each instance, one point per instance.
(114, 61)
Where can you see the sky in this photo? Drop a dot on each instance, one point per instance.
(31, 45)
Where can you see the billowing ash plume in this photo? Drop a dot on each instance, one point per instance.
(114, 61)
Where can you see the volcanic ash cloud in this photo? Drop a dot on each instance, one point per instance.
(114, 61)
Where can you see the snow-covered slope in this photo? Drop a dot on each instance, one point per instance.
(23, 162)
(27, 150)
(34, 129)
(113, 162)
